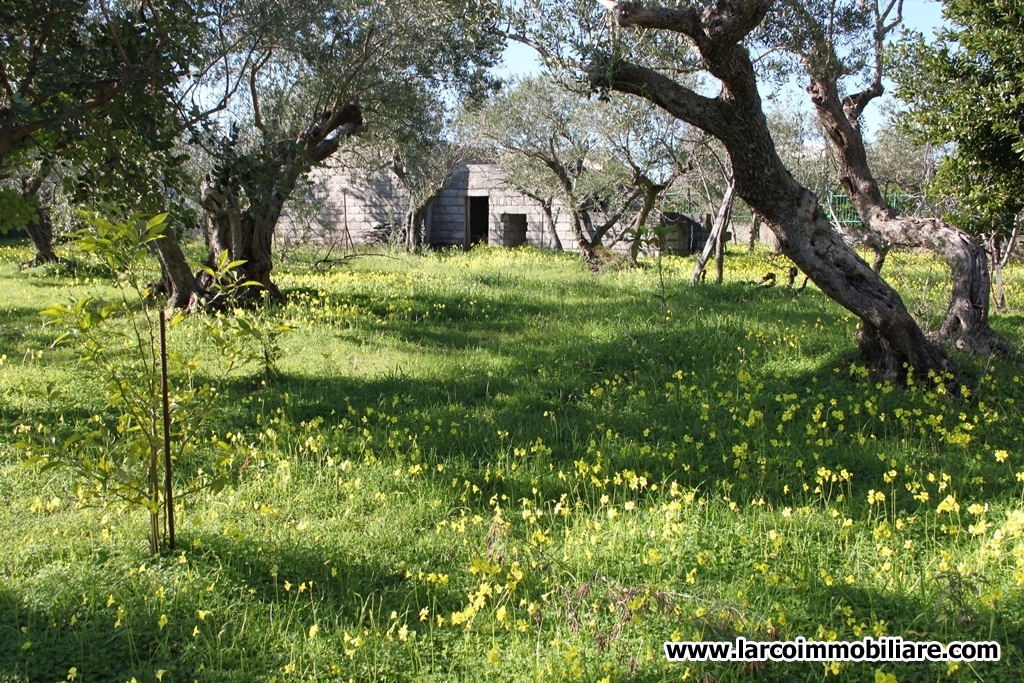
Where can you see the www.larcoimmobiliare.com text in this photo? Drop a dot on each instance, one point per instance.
(884, 649)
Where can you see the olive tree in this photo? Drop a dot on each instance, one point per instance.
(83, 86)
(965, 90)
(323, 72)
(646, 51)
(840, 46)
(420, 153)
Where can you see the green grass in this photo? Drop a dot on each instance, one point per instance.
(496, 466)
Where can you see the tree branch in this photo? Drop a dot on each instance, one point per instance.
(710, 29)
(610, 221)
(682, 102)
(8, 90)
(898, 4)
(685, 19)
(541, 50)
(344, 123)
(229, 89)
(254, 93)
(37, 50)
(854, 105)
(557, 167)
(113, 34)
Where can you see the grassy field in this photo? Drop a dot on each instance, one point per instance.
(496, 466)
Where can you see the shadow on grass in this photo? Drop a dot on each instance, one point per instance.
(67, 620)
(584, 383)
(568, 370)
(238, 628)
(617, 394)
(21, 329)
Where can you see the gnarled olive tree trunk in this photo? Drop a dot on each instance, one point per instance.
(247, 235)
(590, 235)
(247, 199)
(40, 231)
(889, 337)
(966, 323)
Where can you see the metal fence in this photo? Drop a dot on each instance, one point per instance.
(838, 207)
(842, 210)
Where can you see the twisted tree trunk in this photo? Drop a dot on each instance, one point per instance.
(966, 324)
(889, 337)
(40, 230)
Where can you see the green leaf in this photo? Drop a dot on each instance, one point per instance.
(51, 465)
(156, 220)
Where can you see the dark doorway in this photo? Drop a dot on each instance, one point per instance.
(479, 220)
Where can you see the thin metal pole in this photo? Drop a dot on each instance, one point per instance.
(168, 492)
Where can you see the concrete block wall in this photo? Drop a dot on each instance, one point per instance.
(446, 221)
(344, 210)
(448, 216)
(741, 234)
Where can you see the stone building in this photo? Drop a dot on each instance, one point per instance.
(476, 207)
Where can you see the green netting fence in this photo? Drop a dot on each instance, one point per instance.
(842, 210)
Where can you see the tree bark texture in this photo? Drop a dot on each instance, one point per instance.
(584, 244)
(245, 236)
(549, 218)
(182, 289)
(40, 231)
(966, 323)
(889, 337)
(651, 191)
(414, 229)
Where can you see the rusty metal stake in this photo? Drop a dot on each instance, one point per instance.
(168, 492)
